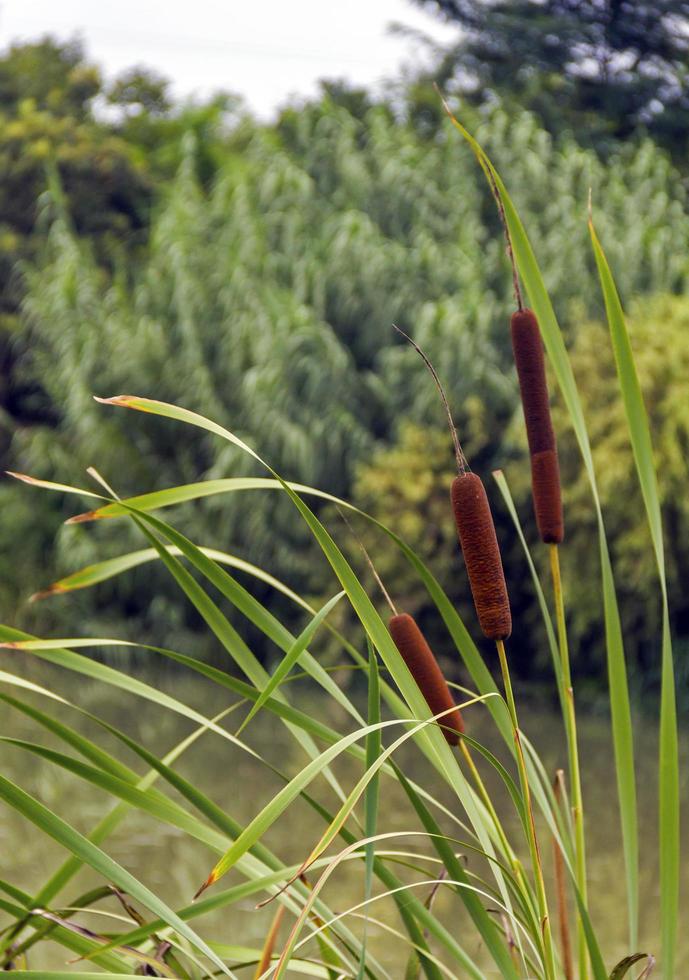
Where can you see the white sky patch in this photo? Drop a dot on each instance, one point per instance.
(266, 51)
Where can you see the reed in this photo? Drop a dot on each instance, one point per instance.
(481, 552)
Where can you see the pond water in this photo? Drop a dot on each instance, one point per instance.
(173, 865)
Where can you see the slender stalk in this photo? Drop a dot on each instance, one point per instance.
(561, 885)
(548, 950)
(502, 837)
(573, 751)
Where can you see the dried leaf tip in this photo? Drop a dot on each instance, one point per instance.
(210, 880)
(24, 478)
(55, 589)
(462, 464)
(114, 400)
(89, 515)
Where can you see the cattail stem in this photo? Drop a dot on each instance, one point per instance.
(567, 698)
(488, 803)
(369, 562)
(515, 863)
(560, 884)
(548, 951)
(508, 238)
(462, 464)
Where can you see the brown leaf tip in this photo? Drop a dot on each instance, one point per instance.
(113, 400)
(25, 478)
(210, 880)
(89, 515)
(54, 589)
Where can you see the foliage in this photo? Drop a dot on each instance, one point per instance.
(53, 129)
(658, 332)
(600, 70)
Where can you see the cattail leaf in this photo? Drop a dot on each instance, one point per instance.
(462, 886)
(155, 804)
(81, 945)
(668, 763)
(182, 494)
(223, 629)
(368, 616)
(258, 614)
(255, 829)
(617, 671)
(146, 959)
(53, 825)
(60, 974)
(625, 965)
(60, 878)
(291, 657)
(486, 927)
(56, 652)
(34, 481)
(101, 571)
(460, 635)
(373, 749)
(133, 797)
(244, 690)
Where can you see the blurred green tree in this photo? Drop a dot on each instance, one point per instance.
(602, 70)
(659, 332)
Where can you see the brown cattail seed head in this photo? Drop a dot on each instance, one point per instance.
(545, 483)
(528, 356)
(545, 471)
(424, 668)
(481, 555)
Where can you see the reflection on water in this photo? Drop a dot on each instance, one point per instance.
(173, 865)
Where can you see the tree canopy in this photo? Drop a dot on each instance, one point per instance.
(602, 69)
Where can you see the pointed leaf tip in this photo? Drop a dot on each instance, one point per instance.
(88, 515)
(55, 589)
(113, 400)
(23, 477)
(210, 880)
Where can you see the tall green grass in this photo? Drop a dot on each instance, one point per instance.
(471, 849)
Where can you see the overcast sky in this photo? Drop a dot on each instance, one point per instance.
(264, 49)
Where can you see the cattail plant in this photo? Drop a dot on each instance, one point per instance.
(476, 532)
(527, 347)
(481, 552)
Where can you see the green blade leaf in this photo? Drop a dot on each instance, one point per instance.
(291, 657)
(53, 825)
(668, 764)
